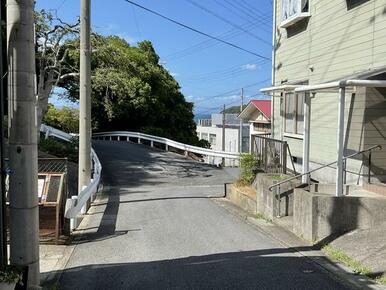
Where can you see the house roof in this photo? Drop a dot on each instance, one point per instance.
(264, 106)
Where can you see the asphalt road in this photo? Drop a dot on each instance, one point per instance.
(158, 226)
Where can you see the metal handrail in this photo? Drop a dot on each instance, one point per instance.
(321, 167)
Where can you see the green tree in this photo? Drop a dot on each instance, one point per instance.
(66, 119)
(132, 91)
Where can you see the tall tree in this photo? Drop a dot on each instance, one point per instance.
(52, 46)
(132, 91)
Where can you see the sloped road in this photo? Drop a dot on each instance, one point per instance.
(157, 227)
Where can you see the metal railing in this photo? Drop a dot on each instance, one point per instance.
(167, 142)
(327, 165)
(76, 203)
(271, 154)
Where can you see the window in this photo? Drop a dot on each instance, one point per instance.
(204, 136)
(212, 139)
(294, 113)
(293, 11)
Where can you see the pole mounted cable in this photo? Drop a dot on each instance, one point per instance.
(196, 30)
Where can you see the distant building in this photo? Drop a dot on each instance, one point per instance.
(211, 130)
(258, 114)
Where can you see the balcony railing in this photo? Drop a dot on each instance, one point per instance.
(271, 154)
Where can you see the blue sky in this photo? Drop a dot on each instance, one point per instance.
(205, 69)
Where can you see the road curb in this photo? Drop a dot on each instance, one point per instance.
(335, 270)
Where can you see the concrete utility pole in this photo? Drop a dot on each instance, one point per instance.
(84, 98)
(23, 197)
(223, 134)
(241, 122)
(3, 206)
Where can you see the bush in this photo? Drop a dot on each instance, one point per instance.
(11, 274)
(65, 119)
(60, 149)
(248, 168)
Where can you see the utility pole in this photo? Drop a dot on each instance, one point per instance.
(23, 188)
(84, 98)
(241, 122)
(3, 206)
(223, 134)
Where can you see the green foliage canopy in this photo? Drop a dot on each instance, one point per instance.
(66, 119)
(132, 91)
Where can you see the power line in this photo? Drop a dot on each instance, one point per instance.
(227, 21)
(231, 91)
(233, 11)
(209, 42)
(197, 31)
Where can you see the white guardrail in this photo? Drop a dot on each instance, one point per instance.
(74, 206)
(169, 143)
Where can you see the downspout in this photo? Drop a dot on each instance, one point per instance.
(273, 67)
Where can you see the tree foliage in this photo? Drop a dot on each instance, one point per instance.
(132, 91)
(52, 46)
(65, 119)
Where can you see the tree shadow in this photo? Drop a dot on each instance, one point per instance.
(276, 268)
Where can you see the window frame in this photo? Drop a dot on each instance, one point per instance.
(295, 118)
(284, 23)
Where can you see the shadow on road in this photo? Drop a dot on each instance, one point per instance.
(260, 269)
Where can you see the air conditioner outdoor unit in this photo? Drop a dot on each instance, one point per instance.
(293, 11)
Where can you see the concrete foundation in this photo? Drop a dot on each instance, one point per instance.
(242, 200)
(318, 216)
(267, 201)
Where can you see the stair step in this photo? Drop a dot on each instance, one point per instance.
(379, 188)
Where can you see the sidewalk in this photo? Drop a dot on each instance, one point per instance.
(335, 268)
(53, 258)
(365, 246)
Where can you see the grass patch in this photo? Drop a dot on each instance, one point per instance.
(60, 148)
(245, 188)
(347, 260)
(381, 280)
(279, 177)
(353, 264)
(260, 216)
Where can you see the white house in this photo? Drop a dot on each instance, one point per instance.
(258, 114)
(212, 131)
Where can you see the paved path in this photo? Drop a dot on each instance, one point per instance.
(158, 226)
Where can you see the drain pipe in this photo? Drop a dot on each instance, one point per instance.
(273, 67)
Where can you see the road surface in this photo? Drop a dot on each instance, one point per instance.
(158, 226)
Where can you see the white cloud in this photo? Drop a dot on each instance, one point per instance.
(249, 66)
(174, 74)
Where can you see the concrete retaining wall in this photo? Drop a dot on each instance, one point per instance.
(267, 202)
(242, 200)
(318, 216)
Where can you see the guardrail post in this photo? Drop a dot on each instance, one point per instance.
(166, 147)
(186, 153)
(119, 138)
(139, 140)
(84, 208)
(151, 143)
(111, 138)
(74, 199)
